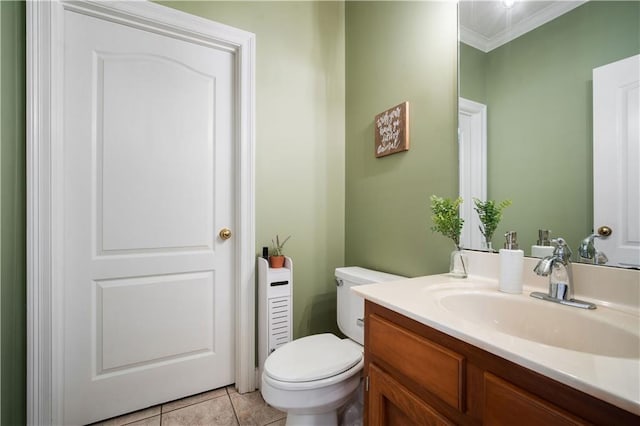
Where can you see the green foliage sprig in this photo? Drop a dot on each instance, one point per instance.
(446, 218)
(490, 214)
(276, 249)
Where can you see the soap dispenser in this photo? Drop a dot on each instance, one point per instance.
(511, 263)
(543, 247)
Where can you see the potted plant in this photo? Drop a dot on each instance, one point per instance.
(447, 221)
(276, 259)
(490, 214)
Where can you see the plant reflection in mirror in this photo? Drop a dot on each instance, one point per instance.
(490, 214)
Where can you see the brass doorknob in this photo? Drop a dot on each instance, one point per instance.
(225, 233)
(605, 231)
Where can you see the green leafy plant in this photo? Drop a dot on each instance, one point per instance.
(490, 214)
(276, 249)
(446, 218)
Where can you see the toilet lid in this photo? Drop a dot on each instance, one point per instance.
(312, 358)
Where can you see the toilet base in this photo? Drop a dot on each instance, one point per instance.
(320, 419)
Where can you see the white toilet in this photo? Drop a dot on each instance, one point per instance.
(312, 377)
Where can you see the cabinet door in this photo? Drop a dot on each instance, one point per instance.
(421, 360)
(507, 404)
(391, 404)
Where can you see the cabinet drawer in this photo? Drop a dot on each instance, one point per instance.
(507, 404)
(437, 369)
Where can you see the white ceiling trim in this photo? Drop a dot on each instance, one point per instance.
(530, 23)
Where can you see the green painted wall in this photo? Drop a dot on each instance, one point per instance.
(473, 73)
(400, 51)
(300, 90)
(539, 103)
(12, 214)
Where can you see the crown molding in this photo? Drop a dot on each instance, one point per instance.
(530, 23)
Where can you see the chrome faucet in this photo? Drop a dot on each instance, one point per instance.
(558, 268)
(588, 252)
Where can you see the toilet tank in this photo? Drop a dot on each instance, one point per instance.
(350, 306)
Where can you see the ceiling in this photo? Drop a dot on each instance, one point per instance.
(487, 24)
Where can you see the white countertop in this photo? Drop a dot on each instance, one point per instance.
(610, 378)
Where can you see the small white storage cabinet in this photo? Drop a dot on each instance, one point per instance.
(275, 308)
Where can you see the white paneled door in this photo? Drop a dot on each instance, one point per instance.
(147, 290)
(139, 127)
(147, 182)
(140, 212)
(616, 159)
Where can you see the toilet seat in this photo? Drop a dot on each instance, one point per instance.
(313, 361)
(316, 384)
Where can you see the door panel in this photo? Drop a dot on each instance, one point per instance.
(141, 165)
(136, 316)
(148, 286)
(616, 159)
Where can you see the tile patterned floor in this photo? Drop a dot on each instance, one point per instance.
(220, 407)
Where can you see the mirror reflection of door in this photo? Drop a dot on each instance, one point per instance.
(472, 158)
(616, 159)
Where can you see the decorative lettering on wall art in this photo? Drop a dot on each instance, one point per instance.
(392, 130)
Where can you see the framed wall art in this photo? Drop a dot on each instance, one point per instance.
(392, 130)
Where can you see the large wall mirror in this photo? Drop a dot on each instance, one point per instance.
(527, 68)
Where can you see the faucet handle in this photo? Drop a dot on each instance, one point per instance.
(562, 249)
(586, 249)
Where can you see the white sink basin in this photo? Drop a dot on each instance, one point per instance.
(599, 332)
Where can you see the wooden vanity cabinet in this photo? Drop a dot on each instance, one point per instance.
(417, 375)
